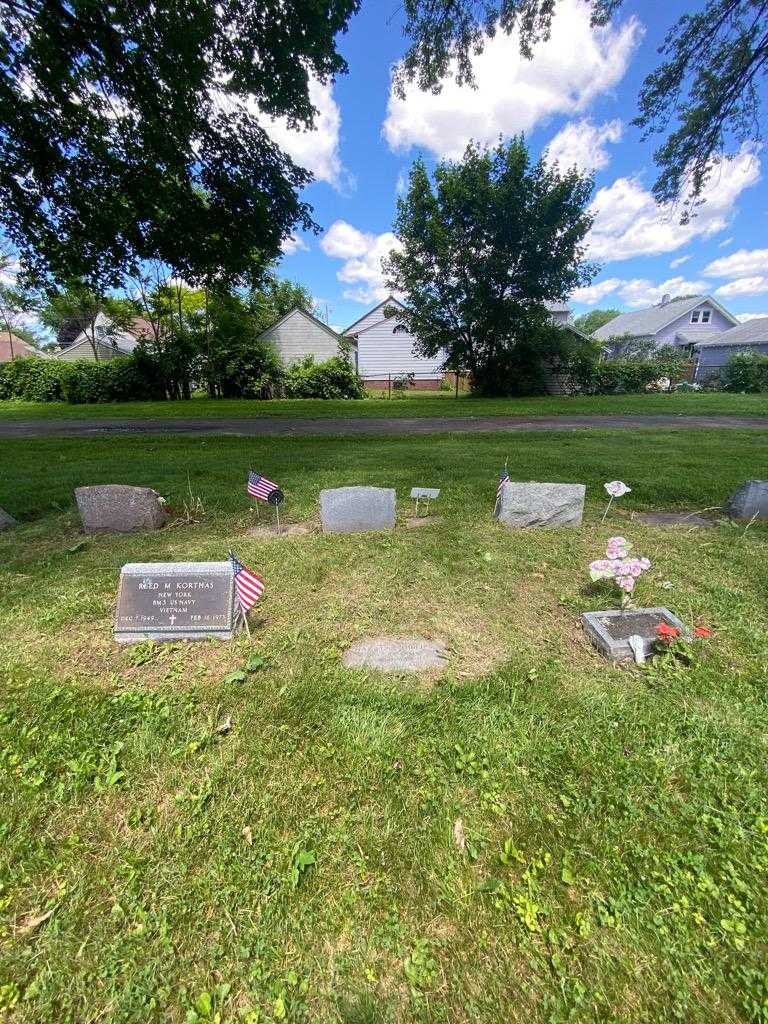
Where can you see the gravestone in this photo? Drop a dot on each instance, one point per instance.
(674, 519)
(118, 508)
(175, 601)
(612, 631)
(750, 501)
(357, 509)
(540, 504)
(6, 520)
(397, 654)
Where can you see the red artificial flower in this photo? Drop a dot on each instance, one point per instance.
(665, 632)
(702, 631)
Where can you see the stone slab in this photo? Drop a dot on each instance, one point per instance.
(535, 504)
(175, 601)
(7, 520)
(750, 501)
(120, 508)
(674, 519)
(397, 654)
(610, 631)
(357, 509)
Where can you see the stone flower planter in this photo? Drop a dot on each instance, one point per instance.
(610, 631)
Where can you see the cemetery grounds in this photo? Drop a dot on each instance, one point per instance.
(249, 832)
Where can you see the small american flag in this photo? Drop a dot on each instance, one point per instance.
(248, 586)
(503, 477)
(259, 487)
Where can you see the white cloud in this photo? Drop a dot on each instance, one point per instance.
(744, 317)
(362, 253)
(743, 263)
(293, 244)
(401, 185)
(576, 64)
(317, 149)
(638, 291)
(725, 242)
(678, 262)
(756, 285)
(629, 222)
(582, 144)
(592, 293)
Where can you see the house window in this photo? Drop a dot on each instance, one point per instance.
(695, 316)
(705, 315)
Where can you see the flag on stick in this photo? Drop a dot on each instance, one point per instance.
(262, 489)
(248, 586)
(503, 478)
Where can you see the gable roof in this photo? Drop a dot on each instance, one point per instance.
(20, 348)
(307, 316)
(753, 332)
(645, 323)
(389, 301)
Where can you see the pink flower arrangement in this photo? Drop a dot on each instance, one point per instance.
(619, 566)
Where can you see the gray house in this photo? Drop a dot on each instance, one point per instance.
(714, 352)
(684, 322)
(300, 334)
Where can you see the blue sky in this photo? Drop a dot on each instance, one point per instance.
(576, 100)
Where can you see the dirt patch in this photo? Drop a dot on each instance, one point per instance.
(414, 522)
(272, 533)
(674, 519)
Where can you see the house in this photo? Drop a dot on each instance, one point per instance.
(109, 344)
(385, 350)
(12, 346)
(682, 322)
(714, 351)
(299, 334)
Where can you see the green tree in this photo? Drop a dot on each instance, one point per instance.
(78, 308)
(704, 96)
(131, 130)
(483, 251)
(15, 306)
(589, 322)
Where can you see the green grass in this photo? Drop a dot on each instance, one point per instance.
(306, 866)
(415, 403)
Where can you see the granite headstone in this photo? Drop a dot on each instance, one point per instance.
(175, 601)
(540, 504)
(6, 520)
(750, 501)
(119, 508)
(357, 509)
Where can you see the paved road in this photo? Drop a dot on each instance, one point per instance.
(279, 427)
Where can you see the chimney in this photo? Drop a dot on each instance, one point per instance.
(665, 298)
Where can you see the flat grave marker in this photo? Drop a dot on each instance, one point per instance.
(175, 601)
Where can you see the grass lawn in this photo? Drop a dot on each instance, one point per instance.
(415, 403)
(537, 836)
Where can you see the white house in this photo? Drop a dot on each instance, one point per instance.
(109, 344)
(683, 322)
(385, 349)
(300, 334)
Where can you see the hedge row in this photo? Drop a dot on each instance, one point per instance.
(137, 378)
(747, 371)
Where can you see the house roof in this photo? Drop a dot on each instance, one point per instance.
(307, 316)
(643, 323)
(20, 348)
(389, 301)
(753, 332)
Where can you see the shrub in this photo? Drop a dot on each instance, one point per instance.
(334, 378)
(124, 379)
(622, 376)
(746, 371)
